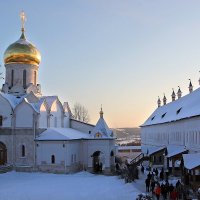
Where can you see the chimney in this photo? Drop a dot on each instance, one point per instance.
(190, 86)
(173, 95)
(179, 93)
(159, 102)
(164, 100)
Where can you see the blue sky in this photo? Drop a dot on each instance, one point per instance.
(118, 53)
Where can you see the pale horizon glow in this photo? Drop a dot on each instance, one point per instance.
(121, 54)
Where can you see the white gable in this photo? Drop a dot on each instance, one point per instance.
(5, 111)
(101, 129)
(43, 116)
(24, 115)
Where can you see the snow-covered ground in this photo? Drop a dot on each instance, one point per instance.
(79, 186)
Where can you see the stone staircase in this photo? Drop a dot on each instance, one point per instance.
(139, 159)
(5, 168)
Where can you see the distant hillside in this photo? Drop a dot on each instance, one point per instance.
(128, 136)
(127, 132)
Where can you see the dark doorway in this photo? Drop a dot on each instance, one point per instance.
(52, 159)
(3, 154)
(97, 165)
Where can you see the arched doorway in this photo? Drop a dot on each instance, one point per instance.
(3, 154)
(98, 161)
(112, 159)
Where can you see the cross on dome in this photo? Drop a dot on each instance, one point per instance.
(23, 19)
(101, 112)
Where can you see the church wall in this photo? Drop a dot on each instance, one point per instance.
(97, 145)
(80, 126)
(73, 152)
(183, 133)
(5, 112)
(24, 115)
(67, 156)
(48, 148)
(42, 117)
(26, 138)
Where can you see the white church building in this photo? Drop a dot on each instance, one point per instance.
(38, 132)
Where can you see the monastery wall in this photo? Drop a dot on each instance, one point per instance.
(184, 132)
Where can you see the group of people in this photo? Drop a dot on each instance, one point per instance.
(127, 171)
(164, 189)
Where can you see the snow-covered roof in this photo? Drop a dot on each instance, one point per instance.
(174, 150)
(62, 134)
(185, 107)
(191, 161)
(149, 150)
(13, 100)
(102, 128)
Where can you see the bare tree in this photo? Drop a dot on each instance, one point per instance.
(80, 113)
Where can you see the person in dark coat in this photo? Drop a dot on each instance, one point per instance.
(156, 172)
(163, 191)
(162, 174)
(153, 183)
(171, 188)
(149, 176)
(147, 182)
(142, 169)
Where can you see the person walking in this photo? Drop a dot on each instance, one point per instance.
(174, 195)
(157, 191)
(153, 183)
(147, 182)
(162, 174)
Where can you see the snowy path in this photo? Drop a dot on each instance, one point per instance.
(79, 186)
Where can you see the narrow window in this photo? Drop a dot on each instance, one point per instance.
(72, 158)
(12, 77)
(1, 120)
(24, 78)
(152, 118)
(34, 77)
(163, 115)
(23, 151)
(55, 122)
(52, 159)
(178, 111)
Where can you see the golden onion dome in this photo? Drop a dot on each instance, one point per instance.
(23, 52)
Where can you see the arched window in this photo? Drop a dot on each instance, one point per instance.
(52, 159)
(1, 120)
(72, 158)
(12, 77)
(35, 77)
(23, 151)
(24, 78)
(55, 122)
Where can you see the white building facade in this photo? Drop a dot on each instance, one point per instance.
(172, 132)
(37, 132)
